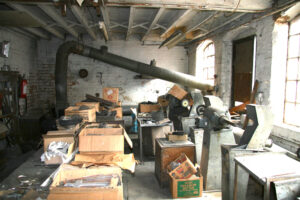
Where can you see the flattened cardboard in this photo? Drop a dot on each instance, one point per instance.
(68, 172)
(125, 161)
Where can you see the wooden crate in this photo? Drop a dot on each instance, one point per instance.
(177, 92)
(88, 115)
(95, 105)
(146, 108)
(166, 152)
(111, 94)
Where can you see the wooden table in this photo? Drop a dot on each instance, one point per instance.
(265, 168)
(144, 125)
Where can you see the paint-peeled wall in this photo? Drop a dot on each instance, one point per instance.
(132, 90)
(262, 29)
(22, 58)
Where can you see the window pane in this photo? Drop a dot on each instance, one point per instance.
(294, 42)
(290, 113)
(204, 74)
(205, 61)
(294, 26)
(292, 69)
(290, 94)
(211, 73)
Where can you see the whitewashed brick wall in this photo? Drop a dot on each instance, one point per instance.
(102, 75)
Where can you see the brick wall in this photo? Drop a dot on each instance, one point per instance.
(22, 58)
(223, 57)
(102, 75)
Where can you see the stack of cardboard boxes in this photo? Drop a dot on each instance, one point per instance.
(95, 172)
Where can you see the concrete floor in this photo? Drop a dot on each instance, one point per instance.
(142, 185)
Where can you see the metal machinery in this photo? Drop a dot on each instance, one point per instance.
(214, 118)
(254, 143)
(209, 125)
(253, 140)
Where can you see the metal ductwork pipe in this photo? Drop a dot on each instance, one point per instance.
(102, 55)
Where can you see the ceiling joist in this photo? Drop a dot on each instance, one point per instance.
(50, 10)
(80, 16)
(106, 21)
(37, 18)
(130, 22)
(154, 21)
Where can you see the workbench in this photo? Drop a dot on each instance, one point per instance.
(265, 168)
(142, 125)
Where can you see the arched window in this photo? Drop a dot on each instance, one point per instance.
(205, 62)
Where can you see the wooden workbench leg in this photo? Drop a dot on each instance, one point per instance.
(241, 178)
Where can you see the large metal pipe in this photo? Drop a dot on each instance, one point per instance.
(73, 47)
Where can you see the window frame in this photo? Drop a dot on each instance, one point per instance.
(202, 55)
(288, 80)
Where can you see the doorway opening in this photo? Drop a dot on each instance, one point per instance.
(243, 70)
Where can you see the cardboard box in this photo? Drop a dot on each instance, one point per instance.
(57, 136)
(184, 188)
(119, 111)
(177, 92)
(88, 115)
(175, 138)
(145, 108)
(95, 105)
(111, 94)
(69, 172)
(103, 139)
(186, 169)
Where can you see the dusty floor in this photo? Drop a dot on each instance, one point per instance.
(142, 185)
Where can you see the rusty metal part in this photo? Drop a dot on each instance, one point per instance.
(83, 73)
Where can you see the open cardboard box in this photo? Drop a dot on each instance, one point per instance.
(88, 115)
(95, 105)
(68, 172)
(109, 139)
(57, 137)
(185, 170)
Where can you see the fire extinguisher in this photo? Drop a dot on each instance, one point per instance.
(23, 96)
(23, 88)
